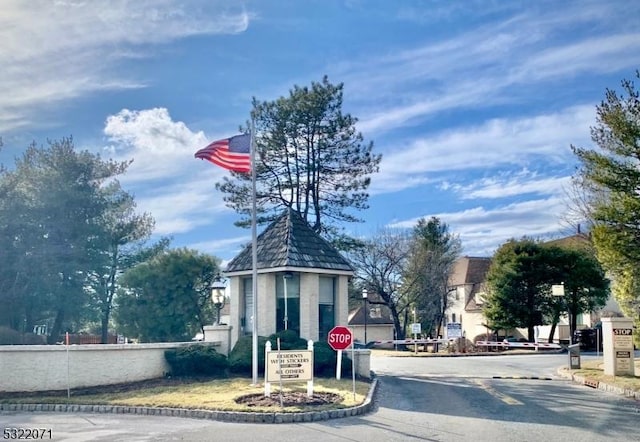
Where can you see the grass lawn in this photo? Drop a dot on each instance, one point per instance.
(217, 394)
(595, 370)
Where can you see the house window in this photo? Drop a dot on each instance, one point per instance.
(375, 312)
(326, 302)
(289, 304)
(246, 322)
(453, 317)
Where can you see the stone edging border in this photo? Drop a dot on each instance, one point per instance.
(222, 416)
(562, 371)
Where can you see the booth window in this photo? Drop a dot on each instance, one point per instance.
(246, 323)
(292, 300)
(326, 310)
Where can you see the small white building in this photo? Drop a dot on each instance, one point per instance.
(302, 283)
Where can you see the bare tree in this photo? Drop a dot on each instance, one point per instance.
(379, 264)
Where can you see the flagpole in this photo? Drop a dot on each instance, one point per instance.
(254, 259)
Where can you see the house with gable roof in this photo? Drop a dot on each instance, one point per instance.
(467, 284)
(302, 282)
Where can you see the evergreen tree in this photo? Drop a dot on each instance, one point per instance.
(610, 176)
(167, 298)
(309, 158)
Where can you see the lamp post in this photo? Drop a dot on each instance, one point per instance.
(217, 296)
(365, 296)
(287, 275)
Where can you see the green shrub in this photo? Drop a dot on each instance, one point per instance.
(240, 358)
(289, 340)
(324, 357)
(196, 360)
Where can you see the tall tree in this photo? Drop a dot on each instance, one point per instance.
(52, 215)
(310, 158)
(168, 297)
(379, 264)
(434, 251)
(67, 229)
(520, 278)
(611, 177)
(585, 286)
(518, 284)
(120, 247)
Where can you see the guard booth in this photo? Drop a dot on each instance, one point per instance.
(302, 283)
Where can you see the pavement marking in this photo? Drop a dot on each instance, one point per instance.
(495, 393)
(541, 378)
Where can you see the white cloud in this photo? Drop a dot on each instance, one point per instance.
(177, 187)
(508, 185)
(486, 64)
(483, 230)
(214, 247)
(54, 51)
(493, 144)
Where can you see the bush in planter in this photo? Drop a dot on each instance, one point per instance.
(241, 357)
(196, 360)
(325, 359)
(289, 340)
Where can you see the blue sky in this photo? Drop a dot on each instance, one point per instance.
(473, 104)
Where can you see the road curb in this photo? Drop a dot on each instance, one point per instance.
(598, 385)
(222, 416)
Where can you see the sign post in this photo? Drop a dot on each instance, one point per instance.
(339, 338)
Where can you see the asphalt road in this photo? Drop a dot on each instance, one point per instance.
(435, 399)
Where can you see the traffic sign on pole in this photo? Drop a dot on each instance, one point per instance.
(340, 338)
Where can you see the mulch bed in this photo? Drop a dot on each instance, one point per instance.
(289, 399)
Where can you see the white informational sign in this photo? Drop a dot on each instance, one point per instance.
(416, 328)
(623, 338)
(454, 330)
(294, 366)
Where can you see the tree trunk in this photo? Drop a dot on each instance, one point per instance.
(104, 335)
(552, 332)
(57, 327)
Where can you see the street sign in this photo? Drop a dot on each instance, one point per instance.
(340, 338)
(416, 328)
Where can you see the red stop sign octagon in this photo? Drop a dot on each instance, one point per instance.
(340, 338)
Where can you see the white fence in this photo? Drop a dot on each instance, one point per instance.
(59, 367)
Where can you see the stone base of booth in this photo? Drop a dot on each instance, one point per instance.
(220, 334)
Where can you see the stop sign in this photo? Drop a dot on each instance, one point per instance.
(340, 338)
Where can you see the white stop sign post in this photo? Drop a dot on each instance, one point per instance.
(340, 338)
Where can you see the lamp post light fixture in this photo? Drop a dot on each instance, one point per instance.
(365, 297)
(217, 296)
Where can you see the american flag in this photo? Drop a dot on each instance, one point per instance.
(231, 153)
